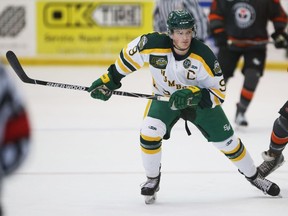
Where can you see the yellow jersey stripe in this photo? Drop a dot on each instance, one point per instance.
(130, 60)
(122, 66)
(149, 51)
(147, 108)
(199, 58)
(218, 93)
(216, 100)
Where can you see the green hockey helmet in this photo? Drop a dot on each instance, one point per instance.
(180, 19)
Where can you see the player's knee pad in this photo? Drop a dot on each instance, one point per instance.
(251, 79)
(151, 134)
(232, 147)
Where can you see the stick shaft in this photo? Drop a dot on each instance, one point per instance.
(17, 67)
(250, 42)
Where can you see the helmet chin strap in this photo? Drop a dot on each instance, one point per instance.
(180, 48)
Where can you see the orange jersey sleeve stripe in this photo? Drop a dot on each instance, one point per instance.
(215, 17)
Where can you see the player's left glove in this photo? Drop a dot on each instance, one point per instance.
(102, 88)
(280, 39)
(184, 98)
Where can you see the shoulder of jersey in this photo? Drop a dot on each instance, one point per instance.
(203, 53)
(155, 40)
(201, 48)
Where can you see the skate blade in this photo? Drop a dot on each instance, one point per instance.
(150, 199)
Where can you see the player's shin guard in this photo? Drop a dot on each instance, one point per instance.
(234, 149)
(151, 159)
(273, 158)
(152, 132)
(251, 80)
(279, 135)
(236, 152)
(151, 156)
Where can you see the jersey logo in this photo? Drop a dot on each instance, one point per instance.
(194, 67)
(158, 61)
(187, 63)
(217, 69)
(142, 43)
(227, 127)
(245, 15)
(152, 127)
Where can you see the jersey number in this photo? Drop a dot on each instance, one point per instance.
(223, 85)
(133, 51)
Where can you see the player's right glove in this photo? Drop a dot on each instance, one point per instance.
(102, 88)
(280, 39)
(220, 39)
(184, 98)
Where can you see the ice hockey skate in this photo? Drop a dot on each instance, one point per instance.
(264, 184)
(150, 188)
(240, 118)
(271, 162)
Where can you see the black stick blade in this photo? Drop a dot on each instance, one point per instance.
(15, 64)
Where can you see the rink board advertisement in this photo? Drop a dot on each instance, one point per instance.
(17, 27)
(82, 32)
(90, 27)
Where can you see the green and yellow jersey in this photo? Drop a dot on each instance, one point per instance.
(171, 72)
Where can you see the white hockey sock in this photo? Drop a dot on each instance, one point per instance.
(151, 163)
(234, 149)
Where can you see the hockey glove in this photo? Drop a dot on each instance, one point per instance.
(102, 88)
(220, 39)
(280, 39)
(184, 98)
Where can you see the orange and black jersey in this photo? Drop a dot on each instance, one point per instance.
(244, 20)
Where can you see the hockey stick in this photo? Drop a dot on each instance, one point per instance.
(15, 64)
(249, 42)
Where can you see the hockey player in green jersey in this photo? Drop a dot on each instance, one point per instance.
(185, 70)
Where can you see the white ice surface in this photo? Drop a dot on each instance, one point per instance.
(85, 156)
